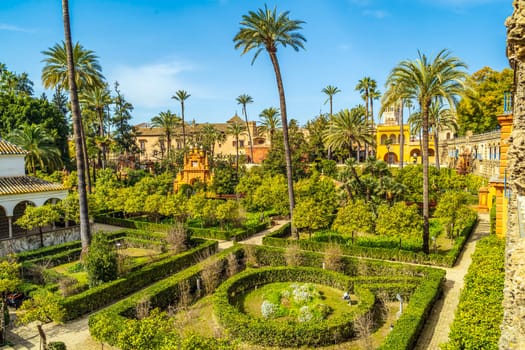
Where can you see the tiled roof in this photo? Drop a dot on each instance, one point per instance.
(7, 147)
(26, 184)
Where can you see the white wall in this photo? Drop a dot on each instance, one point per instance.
(12, 165)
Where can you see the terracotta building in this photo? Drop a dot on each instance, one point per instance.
(153, 144)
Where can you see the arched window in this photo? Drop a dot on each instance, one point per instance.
(383, 139)
(4, 224)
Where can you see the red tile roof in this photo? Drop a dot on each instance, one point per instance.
(26, 184)
(7, 147)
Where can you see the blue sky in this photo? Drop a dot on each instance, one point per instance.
(154, 48)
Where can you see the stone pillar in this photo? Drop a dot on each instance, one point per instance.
(10, 221)
(513, 325)
(483, 195)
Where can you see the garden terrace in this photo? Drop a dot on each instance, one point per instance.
(418, 285)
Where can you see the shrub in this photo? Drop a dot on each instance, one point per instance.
(56, 345)
(480, 311)
(293, 255)
(177, 238)
(101, 261)
(211, 274)
(333, 258)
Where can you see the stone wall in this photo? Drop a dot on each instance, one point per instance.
(513, 325)
(32, 241)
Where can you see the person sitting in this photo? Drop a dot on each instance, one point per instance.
(346, 296)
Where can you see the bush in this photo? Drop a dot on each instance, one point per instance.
(101, 261)
(56, 345)
(480, 311)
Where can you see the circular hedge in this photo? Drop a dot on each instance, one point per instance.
(288, 333)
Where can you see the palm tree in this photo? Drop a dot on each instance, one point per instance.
(374, 94)
(88, 72)
(265, 30)
(235, 129)
(181, 96)
(348, 128)
(269, 121)
(85, 234)
(97, 99)
(440, 117)
(209, 135)
(365, 86)
(41, 147)
(330, 91)
(424, 80)
(243, 100)
(167, 121)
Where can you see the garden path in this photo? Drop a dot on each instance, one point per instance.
(437, 327)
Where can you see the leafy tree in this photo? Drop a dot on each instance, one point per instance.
(451, 209)
(399, 220)
(310, 216)
(355, 217)
(265, 30)
(243, 100)
(154, 204)
(182, 96)
(425, 80)
(9, 281)
(40, 146)
(101, 261)
(69, 208)
(14, 84)
(225, 178)
(270, 195)
(124, 134)
(227, 212)
(176, 206)
(483, 100)
(316, 145)
(40, 217)
(319, 189)
(247, 186)
(275, 161)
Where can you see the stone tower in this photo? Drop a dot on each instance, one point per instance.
(513, 326)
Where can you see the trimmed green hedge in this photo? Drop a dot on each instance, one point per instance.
(417, 284)
(480, 311)
(408, 327)
(235, 234)
(107, 324)
(99, 296)
(278, 239)
(284, 334)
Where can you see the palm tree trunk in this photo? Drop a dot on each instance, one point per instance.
(436, 145)
(401, 138)
(284, 121)
(85, 158)
(85, 234)
(237, 154)
(183, 127)
(249, 133)
(425, 179)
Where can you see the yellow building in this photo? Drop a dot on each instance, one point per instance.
(388, 141)
(196, 168)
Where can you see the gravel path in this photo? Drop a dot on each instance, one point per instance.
(438, 324)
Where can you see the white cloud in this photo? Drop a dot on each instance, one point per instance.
(151, 85)
(12, 28)
(378, 14)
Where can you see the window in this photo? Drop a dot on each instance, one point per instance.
(241, 143)
(162, 147)
(142, 145)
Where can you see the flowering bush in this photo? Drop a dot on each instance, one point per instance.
(268, 309)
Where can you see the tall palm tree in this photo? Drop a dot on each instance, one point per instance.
(209, 135)
(167, 121)
(269, 121)
(424, 80)
(181, 96)
(41, 147)
(374, 94)
(243, 100)
(85, 233)
(267, 30)
(365, 86)
(346, 129)
(440, 118)
(235, 129)
(330, 91)
(97, 99)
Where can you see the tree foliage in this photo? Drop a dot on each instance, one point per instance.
(355, 217)
(483, 101)
(101, 261)
(399, 220)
